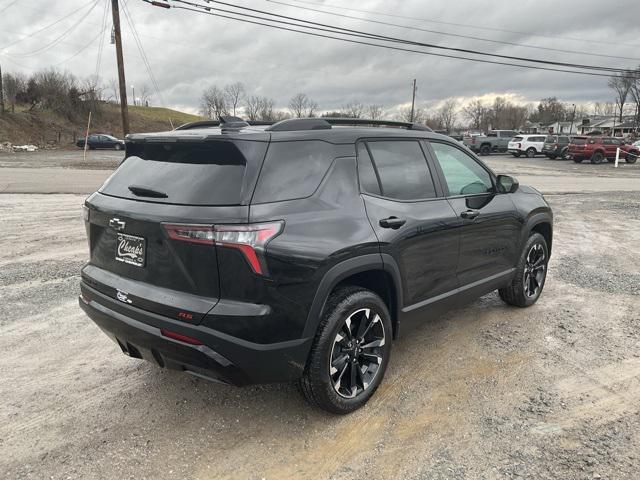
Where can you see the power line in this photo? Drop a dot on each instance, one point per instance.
(70, 14)
(9, 6)
(370, 36)
(105, 16)
(389, 47)
(60, 38)
(440, 22)
(143, 54)
(457, 35)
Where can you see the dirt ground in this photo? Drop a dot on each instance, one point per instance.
(485, 392)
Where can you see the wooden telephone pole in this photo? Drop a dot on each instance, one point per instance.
(1, 92)
(124, 108)
(413, 100)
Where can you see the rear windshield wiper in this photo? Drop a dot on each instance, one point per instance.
(146, 192)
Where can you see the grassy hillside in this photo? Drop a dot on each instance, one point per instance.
(47, 128)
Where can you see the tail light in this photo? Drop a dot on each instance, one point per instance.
(519, 145)
(250, 239)
(473, 140)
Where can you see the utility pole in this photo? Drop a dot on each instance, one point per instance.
(124, 109)
(413, 100)
(573, 117)
(1, 92)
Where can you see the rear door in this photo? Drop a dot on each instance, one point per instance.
(488, 224)
(412, 220)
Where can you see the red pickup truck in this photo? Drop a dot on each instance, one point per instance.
(598, 149)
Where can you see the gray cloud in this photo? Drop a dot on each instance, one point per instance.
(189, 51)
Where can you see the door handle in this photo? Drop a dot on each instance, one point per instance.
(470, 214)
(392, 222)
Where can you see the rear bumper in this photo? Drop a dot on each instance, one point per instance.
(221, 357)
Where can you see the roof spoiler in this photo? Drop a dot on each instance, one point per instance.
(219, 123)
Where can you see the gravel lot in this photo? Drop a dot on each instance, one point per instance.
(485, 392)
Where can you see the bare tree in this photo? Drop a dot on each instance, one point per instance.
(301, 105)
(635, 95)
(252, 107)
(13, 84)
(621, 85)
(234, 93)
(447, 114)
(114, 91)
(374, 112)
(419, 114)
(144, 93)
(214, 103)
(353, 110)
(476, 112)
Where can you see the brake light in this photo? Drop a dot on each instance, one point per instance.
(179, 337)
(250, 239)
(473, 140)
(519, 145)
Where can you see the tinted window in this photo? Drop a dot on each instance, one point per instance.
(368, 179)
(536, 139)
(551, 139)
(403, 170)
(211, 173)
(563, 140)
(579, 141)
(293, 170)
(463, 175)
(516, 139)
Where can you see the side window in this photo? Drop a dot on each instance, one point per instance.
(368, 178)
(464, 176)
(293, 170)
(403, 170)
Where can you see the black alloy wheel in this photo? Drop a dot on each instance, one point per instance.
(351, 351)
(534, 270)
(531, 273)
(531, 152)
(357, 352)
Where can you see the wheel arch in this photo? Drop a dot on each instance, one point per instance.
(541, 223)
(374, 272)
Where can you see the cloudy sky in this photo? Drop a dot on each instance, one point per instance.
(189, 51)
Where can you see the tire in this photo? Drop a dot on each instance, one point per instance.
(597, 158)
(552, 157)
(631, 157)
(577, 160)
(485, 150)
(564, 155)
(516, 154)
(531, 152)
(520, 293)
(322, 382)
(118, 146)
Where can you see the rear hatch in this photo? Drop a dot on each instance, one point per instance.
(550, 143)
(167, 182)
(578, 144)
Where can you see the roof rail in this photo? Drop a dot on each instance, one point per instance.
(216, 123)
(326, 123)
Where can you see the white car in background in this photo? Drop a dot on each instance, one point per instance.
(529, 145)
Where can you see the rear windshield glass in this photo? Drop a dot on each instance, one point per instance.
(207, 173)
(579, 141)
(550, 139)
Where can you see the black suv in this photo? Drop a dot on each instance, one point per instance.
(247, 254)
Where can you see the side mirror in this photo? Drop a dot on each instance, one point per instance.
(506, 184)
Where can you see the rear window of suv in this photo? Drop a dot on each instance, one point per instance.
(579, 140)
(206, 173)
(293, 170)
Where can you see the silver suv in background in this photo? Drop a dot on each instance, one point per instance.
(493, 141)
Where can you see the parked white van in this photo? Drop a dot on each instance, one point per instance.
(529, 145)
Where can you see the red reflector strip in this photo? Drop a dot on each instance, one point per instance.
(249, 254)
(179, 337)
